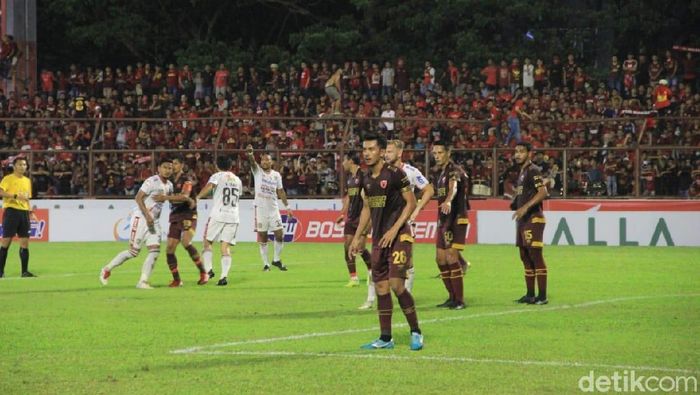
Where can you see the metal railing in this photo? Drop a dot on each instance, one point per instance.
(639, 168)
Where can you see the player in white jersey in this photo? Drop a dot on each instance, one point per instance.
(223, 216)
(145, 224)
(268, 192)
(394, 150)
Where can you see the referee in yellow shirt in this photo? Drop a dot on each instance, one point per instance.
(16, 190)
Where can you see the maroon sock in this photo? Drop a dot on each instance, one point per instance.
(194, 255)
(384, 308)
(456, 282)
(172, 264)
(350, 261)
(409, 310)
(540, 272)
(367, 257)
(529, 271)
(445, 276)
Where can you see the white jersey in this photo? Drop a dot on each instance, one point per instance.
(266, 186)
(415, 177)
(227, 192)
(153, 186)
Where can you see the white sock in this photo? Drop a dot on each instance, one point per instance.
(148, 264)
(278, 250)
(409, 280)
(206, 260)
(225, 265)
(118, 260)
(263, 254)
(371, 292)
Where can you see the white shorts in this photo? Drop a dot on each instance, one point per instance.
(221, 231)
(140, 234)
(267, 220)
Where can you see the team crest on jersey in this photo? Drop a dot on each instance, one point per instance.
(382, 184)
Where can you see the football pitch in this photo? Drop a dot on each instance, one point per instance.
(612, 309)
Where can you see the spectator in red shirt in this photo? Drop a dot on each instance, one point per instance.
(491, 74)
(221, 80)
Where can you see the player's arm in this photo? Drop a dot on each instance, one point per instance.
(282, 195)
(426, 193)
(446, 206)
(182, 197)
(539, 196)
(251, 159)
(141, 202)
(205, 191)
(410, 198)
(358, 241)
(344, 210)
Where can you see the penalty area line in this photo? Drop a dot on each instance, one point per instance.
(375, 355)
(529, 309)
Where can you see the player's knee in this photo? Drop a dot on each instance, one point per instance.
(524, 255)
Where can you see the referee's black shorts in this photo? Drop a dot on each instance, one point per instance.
(15, 222)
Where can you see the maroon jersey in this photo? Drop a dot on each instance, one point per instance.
(529, 181)
(460, 202)
(182, 211)
(354, 184)
(384, 196)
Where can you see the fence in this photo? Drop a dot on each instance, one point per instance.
(116, 154)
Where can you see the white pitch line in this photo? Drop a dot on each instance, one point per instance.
(376, 355)
(529, 309)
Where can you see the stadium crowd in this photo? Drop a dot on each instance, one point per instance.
(550, 103)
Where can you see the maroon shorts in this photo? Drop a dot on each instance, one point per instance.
(392, 262)
(351, 226)
(531, 232)
(182, 225)
(452, 235)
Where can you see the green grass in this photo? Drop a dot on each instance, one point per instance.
(65, 333)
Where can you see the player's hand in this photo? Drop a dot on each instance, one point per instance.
(519, 213)
(340, 219)
(33, 217)
(159, 198)
(249, 150)
(193, 203)
(446, 207)
(354, 247)
(290, 215)
(388, 238)
(412, 225)
(23, 196)
(151, 225)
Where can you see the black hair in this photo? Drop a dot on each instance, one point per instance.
(164, 159)
(442, 143)
(379, 138)
(526, 145)
(223, 162)
(179, 158)
(354, 157)
(18, 158)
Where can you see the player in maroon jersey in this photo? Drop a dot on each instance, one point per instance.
(453, 221)
(350, 214)
(388, 201)
(530, 193)
(183, 223)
